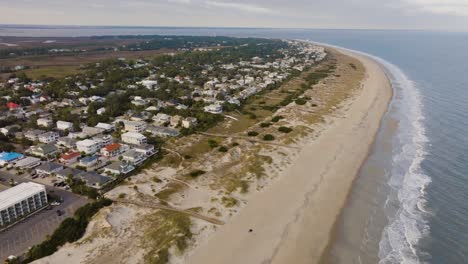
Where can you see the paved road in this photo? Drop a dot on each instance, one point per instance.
(34, 229)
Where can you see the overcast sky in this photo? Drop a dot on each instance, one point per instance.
(365, 14)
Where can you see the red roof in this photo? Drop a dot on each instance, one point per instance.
(70, 155)
(112, 147)
(12, 105)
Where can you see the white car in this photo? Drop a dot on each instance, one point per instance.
(55, 203)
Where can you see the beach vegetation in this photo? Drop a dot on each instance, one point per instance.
(285, 130)
(252, 133)
(268, 137)
(196, 173)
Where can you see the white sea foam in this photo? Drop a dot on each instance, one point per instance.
(407, 223)
(406, 202)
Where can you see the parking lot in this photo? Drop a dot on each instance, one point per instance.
(34, 229)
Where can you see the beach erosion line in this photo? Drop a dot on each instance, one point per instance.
(293, 218)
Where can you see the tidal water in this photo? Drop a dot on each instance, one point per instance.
(409, 203)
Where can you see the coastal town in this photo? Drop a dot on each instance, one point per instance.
(86, 133)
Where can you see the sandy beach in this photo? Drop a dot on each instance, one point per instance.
(292, 220)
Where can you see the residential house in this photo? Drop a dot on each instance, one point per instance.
(134, 157)
(48, 137)
(64, 126)
(44, 150)
(134, 138)
(28, 163)
(93, 179)
(92, 131)
(87, 146)
(214, 109)
(162, 119)
(135, 126)
(45, 122)
(119, 168)
(9, 130)
(101, 111)
(66, 142)
(68, 172)
(146, 149)
(113, 150)
(106, 127)
(175, 121)
(189, 122)
(33, 134)
(89, 161)
(162, 131)
(70, 157)
(49, 168)
(103, 140)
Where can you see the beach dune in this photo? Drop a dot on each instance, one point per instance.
(292, 220)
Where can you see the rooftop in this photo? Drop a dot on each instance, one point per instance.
(19, 193)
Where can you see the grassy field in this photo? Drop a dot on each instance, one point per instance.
(52, 71)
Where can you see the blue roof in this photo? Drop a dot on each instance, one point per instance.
(88, 159)
(9, 156)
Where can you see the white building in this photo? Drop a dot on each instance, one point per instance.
(20, 201)
(87, 146)
(134, 138)
(134, 126)
(48, 137)
(101, 111)
(214, 109)
(45, 122)
(63, 125)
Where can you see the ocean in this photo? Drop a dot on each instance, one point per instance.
(409, 203)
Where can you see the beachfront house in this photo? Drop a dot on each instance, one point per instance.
(119, 168)
(134, 138)
(134, 126)
(162, 131)
(113, 150)
(134, 157)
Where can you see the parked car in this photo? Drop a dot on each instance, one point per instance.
(55, 203)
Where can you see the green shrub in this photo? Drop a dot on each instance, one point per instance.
(223, 149)
(284, 129)
(252, 134)
(196, 173)
(265, 124)
(212, 143)
(301, 101)
(276, 118)
(268, 137)
(70, 230)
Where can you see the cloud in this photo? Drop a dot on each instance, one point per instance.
(180, 1)
(441, 7)
(241, 7)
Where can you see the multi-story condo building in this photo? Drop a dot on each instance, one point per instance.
(20, 201)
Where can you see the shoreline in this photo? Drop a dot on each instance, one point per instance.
(304, 202)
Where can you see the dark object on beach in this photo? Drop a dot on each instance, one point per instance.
(250, 230)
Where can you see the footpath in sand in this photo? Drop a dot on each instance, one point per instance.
(292, 220)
